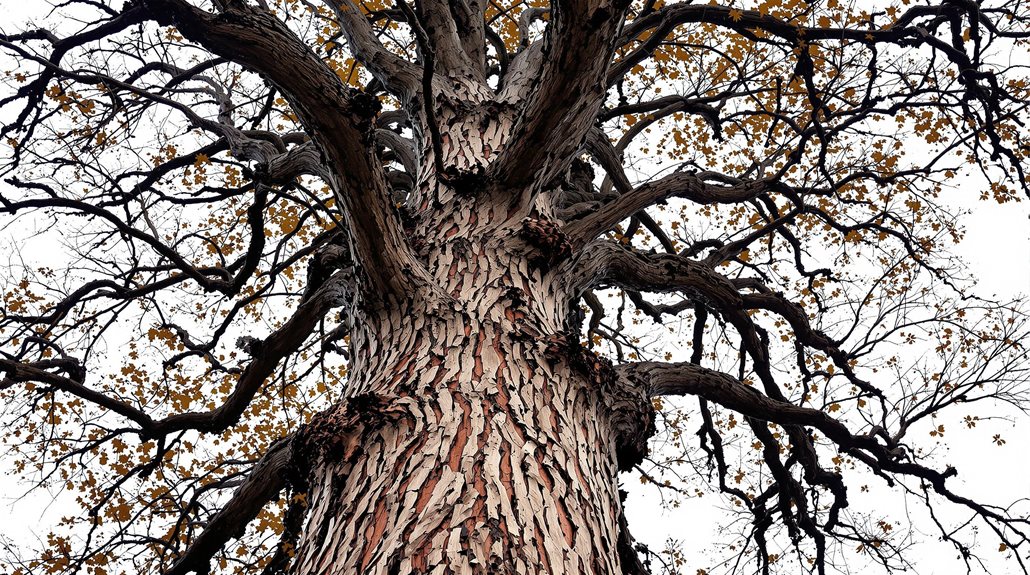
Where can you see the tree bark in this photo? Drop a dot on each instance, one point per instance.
(476, 437)
(468, 445)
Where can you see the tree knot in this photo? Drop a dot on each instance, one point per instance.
(365, 107)
(517, 296)
(468, 181)
(338, 434)
(250, 345)
(598, 369)
(599, 17)
(548, 238)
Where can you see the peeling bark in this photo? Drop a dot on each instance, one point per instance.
(476, 433)
(477, 437)
(483, 448)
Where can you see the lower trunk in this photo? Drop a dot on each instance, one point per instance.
(467, 446)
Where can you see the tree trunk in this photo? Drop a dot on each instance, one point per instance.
(470, 446)
(479, 455)
(476, 436)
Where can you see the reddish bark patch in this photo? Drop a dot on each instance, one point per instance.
(582, 480)
(540, 549)
(545, 475)
(506, 477)
(563, 519)
(485, 434)
(374, 533)
(462, 436)
(426, 491)
(478, 516)
(477, 370)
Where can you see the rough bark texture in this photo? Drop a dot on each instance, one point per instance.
(479, 454)
(458, 234)
(484, 445)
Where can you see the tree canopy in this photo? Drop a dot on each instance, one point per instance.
(747, 211)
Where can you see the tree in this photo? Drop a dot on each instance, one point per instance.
(366, 287)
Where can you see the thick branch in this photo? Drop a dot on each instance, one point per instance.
(679, 184)
(263, 484)
(690, 379)
(440, 19)
(399, 76)
(338, 118)
(567, 95)
(605, 263)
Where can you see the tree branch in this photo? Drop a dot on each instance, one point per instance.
(263, 484)
(399, 76)
(339, 119)
(267, 354)
(679, 184)
(566, 96)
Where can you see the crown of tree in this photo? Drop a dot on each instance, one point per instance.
(344, 286)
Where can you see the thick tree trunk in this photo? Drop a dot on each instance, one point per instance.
(478, 454)
(476, 438)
